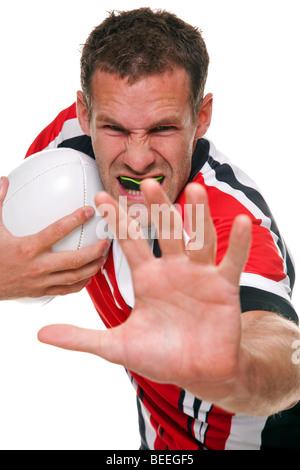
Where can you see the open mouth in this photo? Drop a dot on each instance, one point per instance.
(132, 185)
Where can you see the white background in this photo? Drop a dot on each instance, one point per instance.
(54, 399)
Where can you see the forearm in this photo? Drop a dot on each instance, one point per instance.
(267, 381)
(270, 378)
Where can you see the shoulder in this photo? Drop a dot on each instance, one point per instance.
(230, 190)
(270, 267)
(62, 130)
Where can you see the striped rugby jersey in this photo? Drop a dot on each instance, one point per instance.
(169, 417)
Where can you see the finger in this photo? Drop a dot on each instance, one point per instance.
(68, 260)
(127, 230)
(237, 253)
(55, 232)
(101, 343)
(202, 246)
(61, 290)
(74, 276)
(167, 219)
(3, 191)
(71, 268)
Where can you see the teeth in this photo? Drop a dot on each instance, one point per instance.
(132, 185)
(133, 192)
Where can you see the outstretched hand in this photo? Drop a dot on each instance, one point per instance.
(185, 327)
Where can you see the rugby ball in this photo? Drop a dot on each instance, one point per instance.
(48, 186)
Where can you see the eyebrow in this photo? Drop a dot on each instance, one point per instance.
(167, 121)
(104, 118)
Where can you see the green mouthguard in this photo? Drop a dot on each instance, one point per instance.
(125, 178)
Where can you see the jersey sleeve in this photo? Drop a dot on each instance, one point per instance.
(268, 277)
(259, 299)
(63, 131)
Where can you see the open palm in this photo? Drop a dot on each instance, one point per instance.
(185, 326)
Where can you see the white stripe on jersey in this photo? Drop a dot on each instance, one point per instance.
(200, 420)
(104, 272)
(123, 274)
(245, 433)
(280, 288)
(70, 129)
(150, 433)
(200, 424)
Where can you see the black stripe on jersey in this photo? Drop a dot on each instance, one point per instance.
(224, 173)
(206, 421)
(256, 299)
(82, 143)
(181, 399)
(141, 394)
(196, 407)
(290, 269)
(200, 157)
(190, 423)
(142, 427)
(196, 404)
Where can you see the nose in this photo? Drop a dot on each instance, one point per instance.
(138, 155)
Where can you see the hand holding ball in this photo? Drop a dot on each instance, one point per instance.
(48, 186)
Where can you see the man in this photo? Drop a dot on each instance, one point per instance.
(205, 333)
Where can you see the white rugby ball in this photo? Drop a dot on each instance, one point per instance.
(48, 186)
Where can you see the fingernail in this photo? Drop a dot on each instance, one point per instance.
(89, 212)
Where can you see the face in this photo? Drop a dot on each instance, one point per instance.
(143, 130)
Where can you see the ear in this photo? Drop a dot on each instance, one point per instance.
(204, 116)
(82, 114)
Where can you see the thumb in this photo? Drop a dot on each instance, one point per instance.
(104, 343)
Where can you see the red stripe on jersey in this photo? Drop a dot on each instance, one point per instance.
(104, 292)
(52, 131)
(170, 423)
(219, 425)
(264, 258)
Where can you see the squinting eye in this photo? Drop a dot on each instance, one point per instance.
(163, 129)
(114, 129)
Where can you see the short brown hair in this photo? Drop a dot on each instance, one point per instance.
(142, 42)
